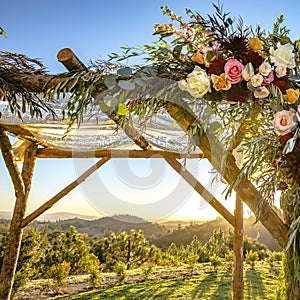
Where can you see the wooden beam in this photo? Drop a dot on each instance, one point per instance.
(70, 60)
(56, 153)
(199, 188)
(238, 258)
(64, 192)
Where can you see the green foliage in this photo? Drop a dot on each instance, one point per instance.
(58, 273)
(71, 247)
(121, 272)
(215, 262)
(229, 260)
(146, 271)
(132, 249)
(219, 243)
(3, 32)
(96, 278)
(32, 252)
(251, 258)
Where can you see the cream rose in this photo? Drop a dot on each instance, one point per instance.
(265, 68)
(197, 83)
(283, 55)
(280, 70)
(256, 80)
(261, 92)
(284, 122)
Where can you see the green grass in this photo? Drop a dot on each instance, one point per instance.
(259, 284)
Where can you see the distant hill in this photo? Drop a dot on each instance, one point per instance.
(106, 225)
(161, 234)
(52, 217)
(203, 231)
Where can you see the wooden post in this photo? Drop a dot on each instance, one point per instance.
(22, 184)
(238, 268)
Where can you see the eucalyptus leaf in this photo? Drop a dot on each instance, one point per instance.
(110, 81)
(177, 50)
(122, 109)
(111, 101)
(275, 107)
(126, 85)
(289, 146)
(125, 72)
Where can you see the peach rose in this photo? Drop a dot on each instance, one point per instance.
(220, 82)
(284, 122)
(291, 95)
(198, 58)
(265, 68)
(261, 92)
(255, 44)
(280, 70)
(256, 80)
(233, 70)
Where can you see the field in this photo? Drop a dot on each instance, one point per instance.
(260, 283)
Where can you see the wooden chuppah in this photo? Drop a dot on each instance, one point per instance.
(212, 150)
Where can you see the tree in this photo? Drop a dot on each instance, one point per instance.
(72, 248)
(132, 249)
(251, 258)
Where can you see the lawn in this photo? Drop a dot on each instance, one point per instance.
(259, 284)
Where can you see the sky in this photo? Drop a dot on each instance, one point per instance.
(94, 29)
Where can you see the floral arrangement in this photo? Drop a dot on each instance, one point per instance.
(249, 76)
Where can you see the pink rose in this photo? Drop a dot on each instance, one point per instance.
(268, 79)
(284, 121)
(233, 70)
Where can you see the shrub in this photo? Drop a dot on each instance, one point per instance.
(251, 258)
(96, 278)
(215, 261)
(146, 271)
(229, 260)
(58, 274)
(121, 272)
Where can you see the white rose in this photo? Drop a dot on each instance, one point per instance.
(283, 55)
(197, 83)
(284, 121)
(280, 70)
(256, 80)
(265, 68)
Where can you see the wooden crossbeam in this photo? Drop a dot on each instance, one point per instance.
(200, 189)
(64, 192)
(56, 153)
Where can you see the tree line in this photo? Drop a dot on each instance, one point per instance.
(55, 254)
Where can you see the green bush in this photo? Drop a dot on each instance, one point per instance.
(215, 261)
(146, 271)
(96, 278)
(251, 258)
(121, 272)
(58, 274)
(229, 261)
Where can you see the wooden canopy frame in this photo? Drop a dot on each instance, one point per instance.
(211, 149)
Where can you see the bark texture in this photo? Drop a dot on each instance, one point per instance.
(22, 184)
